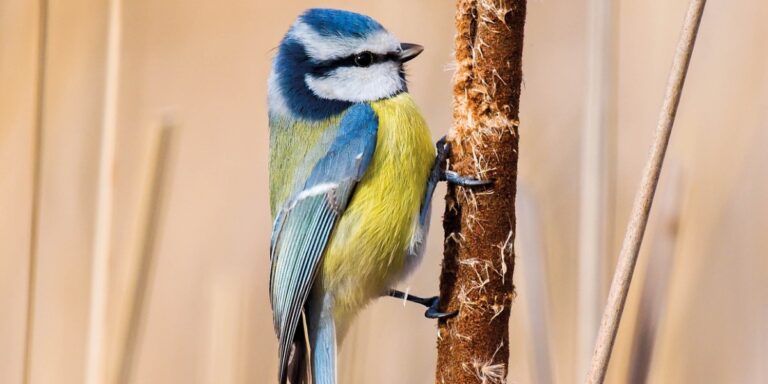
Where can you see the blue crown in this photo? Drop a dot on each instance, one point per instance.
(335, 22)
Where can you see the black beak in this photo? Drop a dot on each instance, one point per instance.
(409, 51)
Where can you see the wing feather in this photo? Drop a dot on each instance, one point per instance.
(305, 223)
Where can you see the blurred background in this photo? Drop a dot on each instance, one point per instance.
(71, 70)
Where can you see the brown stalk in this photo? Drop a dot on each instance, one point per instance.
(633, 237)
(37, 165)
(479, 224)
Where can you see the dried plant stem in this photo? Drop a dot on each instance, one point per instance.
(476, 278)
(596, 167)
(654, 288)
(97, 314)
(37, 164)
(144, 251)
(644, 198)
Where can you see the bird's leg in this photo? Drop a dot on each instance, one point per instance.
(443, 174)
(432, 304)
(438, 173)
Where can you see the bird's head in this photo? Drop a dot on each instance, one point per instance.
(330, 59)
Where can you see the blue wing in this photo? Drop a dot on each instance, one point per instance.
(305, 222)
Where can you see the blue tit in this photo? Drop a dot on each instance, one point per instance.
(352, 172)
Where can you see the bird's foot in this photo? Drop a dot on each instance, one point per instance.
(443, 149)
(432, 304)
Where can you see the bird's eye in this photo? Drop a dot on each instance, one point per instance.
(364, 59)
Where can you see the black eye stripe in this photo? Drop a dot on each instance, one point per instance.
(326, 66)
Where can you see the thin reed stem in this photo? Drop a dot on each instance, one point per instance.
(97, 315)
(633, 238)
(37, 165)
(151, 207)
(596, 168)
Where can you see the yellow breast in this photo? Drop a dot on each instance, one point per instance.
(368, 248)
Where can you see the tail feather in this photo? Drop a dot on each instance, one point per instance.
(321, 330)
(312, 359)
(323, 353)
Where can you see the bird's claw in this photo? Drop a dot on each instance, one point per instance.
(464, 181)
(432, 304)
(433, 310)
(443, 148)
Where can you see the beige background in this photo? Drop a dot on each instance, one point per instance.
(203, 65)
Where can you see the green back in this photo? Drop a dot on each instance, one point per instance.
(295, 146)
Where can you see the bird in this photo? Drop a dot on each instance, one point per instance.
(352, 170)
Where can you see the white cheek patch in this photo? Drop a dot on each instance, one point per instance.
(275, 99)
(358, 84)
(322, 48)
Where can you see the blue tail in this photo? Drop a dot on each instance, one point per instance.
(322, 339)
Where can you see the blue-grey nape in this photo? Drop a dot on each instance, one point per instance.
(336, 22)
(291, 65)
